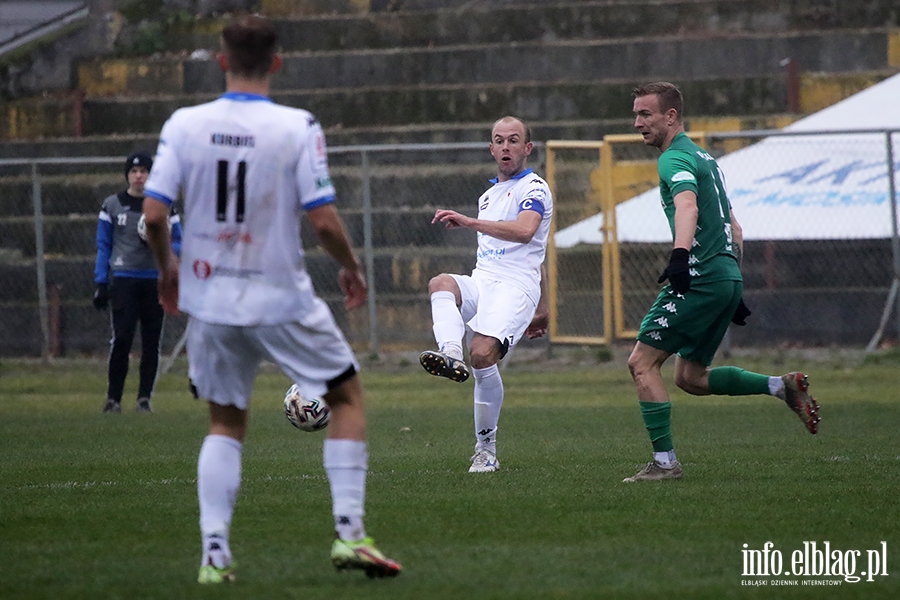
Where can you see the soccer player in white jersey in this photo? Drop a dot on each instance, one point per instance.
(504, 296)
(245, 168)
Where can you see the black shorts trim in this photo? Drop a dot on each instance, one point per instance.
(333, 383)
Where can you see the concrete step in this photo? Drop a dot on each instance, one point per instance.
(450, 104)
(343, 139)
(486, 23)
(676, 58)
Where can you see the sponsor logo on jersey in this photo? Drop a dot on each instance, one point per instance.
(238, 273)
(323, 182)
(234, 236)
(202, 269)
(683, 176)
(491, 254)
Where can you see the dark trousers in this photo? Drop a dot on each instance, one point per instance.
(133, 300)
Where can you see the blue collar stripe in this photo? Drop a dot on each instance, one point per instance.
(242, 97)
(519, 176)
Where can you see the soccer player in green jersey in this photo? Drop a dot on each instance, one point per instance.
(692, 312)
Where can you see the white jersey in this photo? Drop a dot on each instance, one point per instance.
(245, 167)
(512, 262)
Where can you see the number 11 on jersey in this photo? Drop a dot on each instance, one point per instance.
(222, 191)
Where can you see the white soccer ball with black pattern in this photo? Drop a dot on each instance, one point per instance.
(306, 414)
(142, 228)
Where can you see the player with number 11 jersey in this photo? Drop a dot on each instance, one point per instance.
(248, 166)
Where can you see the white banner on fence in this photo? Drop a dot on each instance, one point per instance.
(830, 186)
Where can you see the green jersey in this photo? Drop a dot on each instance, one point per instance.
(685, 166)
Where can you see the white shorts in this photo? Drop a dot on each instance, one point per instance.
(224, 359)
(494, 308)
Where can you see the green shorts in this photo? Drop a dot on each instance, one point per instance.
(691, 326)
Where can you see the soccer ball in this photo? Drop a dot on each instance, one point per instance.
(306, 414)
(142, 228)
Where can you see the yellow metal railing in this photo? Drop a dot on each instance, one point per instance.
(612, 182)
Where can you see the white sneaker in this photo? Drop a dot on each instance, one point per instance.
(484, 462)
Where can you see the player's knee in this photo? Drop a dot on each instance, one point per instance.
(441, 283)
(687, 383)
(344, 390)
(482, 361)
(484, 355)
(637, 366)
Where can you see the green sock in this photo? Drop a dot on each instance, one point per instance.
(658, 420)
(734, 381)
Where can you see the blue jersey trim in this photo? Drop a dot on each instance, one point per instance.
(104, 251)
(137, 274)
(519, 176)
(242, 97)
(319, 202)
(157, 196)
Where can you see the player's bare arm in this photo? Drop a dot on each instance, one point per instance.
(332, 234)
(156, 216)
(521, 230)
(541, 319)
(737, 238)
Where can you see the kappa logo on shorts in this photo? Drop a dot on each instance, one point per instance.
(662, 321)
(655, 335)
(670, 306)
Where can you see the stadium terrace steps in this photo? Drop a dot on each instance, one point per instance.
(339, 137)
(678, 58)
(387, 107)
(515, 22)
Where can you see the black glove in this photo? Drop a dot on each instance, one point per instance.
(678, 271)
(740, 314)
(101, 296)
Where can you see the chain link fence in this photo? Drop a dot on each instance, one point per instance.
(387, 196)
(818, 212)
(821, 246)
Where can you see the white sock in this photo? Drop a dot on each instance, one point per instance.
(215, 550)
(448, 325)
(218, 482)
(346, 463)
(665, 459)
(776, 387)
(488, 400)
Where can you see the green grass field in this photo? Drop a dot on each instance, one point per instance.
(104, 506)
